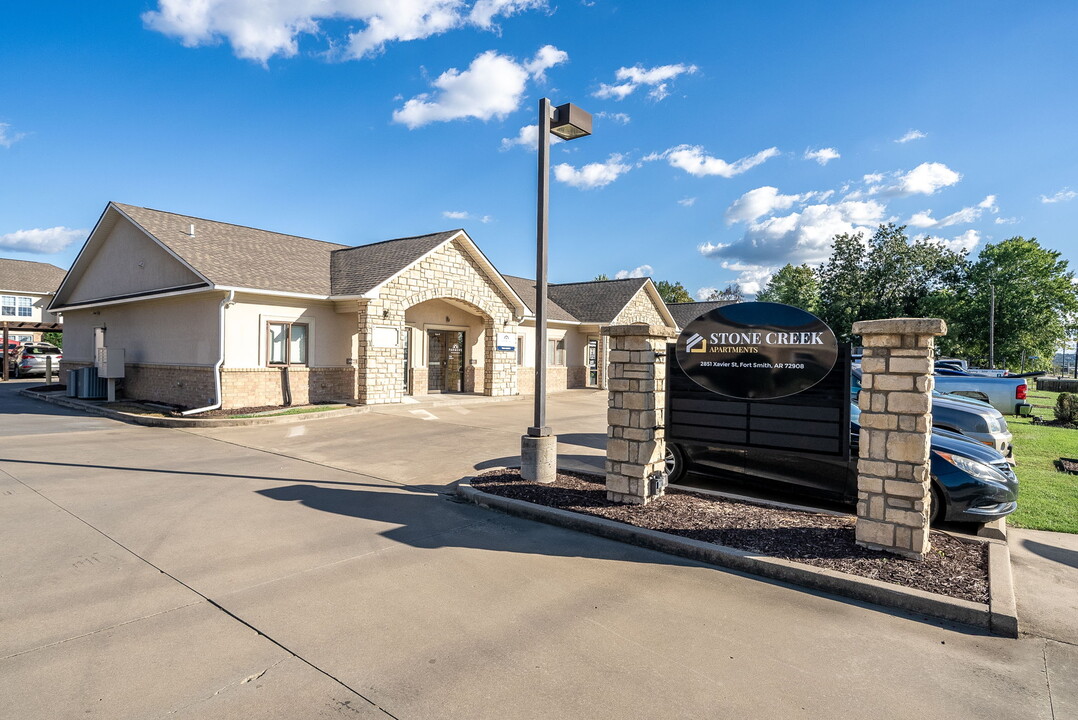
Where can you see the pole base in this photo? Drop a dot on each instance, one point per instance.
(538, 458)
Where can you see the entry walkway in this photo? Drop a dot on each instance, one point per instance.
(152, 573)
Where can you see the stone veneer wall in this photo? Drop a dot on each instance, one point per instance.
(893, 478)
(641, 309)
(636, 445)
(448, 272)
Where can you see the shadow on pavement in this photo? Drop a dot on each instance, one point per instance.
(1063, 556)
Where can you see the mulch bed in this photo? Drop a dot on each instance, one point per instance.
(954, 567)
(1069, 465)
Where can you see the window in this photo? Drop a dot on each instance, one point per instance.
(287, 343)
(520, 350)
(16, 306)
(555, 352)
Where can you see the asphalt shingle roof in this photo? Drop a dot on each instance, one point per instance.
(239, 256)
(29, 276)
(685, 313)
(598, 301)
(356, 270)
(525, 288)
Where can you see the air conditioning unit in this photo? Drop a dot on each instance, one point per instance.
(89, 385)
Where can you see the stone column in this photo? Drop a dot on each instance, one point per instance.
(893, 495)
(636, 380)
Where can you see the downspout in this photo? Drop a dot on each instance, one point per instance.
(220, 359)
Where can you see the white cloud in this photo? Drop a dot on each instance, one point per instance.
(492, 86)
(693, 160)
(963, 243)
(823, 155)
(911, 135)
(620, 118)
(592, 175)
(261, 29)
(547, 57)
(757, 203)
(640, 272)
(687, 202)
(527, 138)
(1006, 221)
(1064, 195)
(705, 292)
(631, 78)
(966, 215)
(464, 215)
(925, 179)
(8, 138)
(38, 240)
(799, 237)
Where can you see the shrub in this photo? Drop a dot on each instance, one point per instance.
(1067, 408)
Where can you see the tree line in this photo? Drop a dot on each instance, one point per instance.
(1035, 297)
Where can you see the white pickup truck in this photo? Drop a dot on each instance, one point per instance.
(1006, 394)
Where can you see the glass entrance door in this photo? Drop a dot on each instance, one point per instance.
(445, 361)
(593, 362)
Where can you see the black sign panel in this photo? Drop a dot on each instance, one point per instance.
(757, 350)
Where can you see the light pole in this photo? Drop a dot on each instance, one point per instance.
(538, 449)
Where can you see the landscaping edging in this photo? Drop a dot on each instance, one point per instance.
(999, 615)
(170, 422)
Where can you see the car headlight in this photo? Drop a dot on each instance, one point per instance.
(979, 470)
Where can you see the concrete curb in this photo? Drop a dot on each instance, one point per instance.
(999, 616)
(168, 422)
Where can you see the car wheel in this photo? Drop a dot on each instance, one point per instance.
(675, 463)
(938, 512)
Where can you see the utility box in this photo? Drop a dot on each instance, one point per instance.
(110, 362)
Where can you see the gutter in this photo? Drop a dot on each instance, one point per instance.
(225, 302)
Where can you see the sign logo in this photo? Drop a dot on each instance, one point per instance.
(506, 342)
(757, 350)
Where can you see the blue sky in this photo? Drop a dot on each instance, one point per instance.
(729, 138)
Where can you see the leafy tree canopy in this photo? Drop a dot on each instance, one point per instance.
(795, 285)
(673, 292)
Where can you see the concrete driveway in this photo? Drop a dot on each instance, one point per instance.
(324, 570)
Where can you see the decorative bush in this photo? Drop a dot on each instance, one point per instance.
(1067, 408)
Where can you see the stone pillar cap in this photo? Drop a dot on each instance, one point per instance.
(901, 326)
(639, 330)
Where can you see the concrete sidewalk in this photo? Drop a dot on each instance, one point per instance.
(282, 572)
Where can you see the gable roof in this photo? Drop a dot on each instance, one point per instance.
(238, 256)
(525, 288)
(685, 313)
(357, 270)
(29, 276)
(597, 301)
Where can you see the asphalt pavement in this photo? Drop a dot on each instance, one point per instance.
(324, 569)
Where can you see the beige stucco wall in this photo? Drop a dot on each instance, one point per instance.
(127, 262)
(330, 332)
(169, 331)
(442, 315)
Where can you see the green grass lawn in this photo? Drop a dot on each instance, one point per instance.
(1047, 498)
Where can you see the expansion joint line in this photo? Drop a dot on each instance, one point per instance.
(1048, 679)
(208, 599)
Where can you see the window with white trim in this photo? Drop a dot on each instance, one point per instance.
(16, 306)
(287, 343)
(555, 352)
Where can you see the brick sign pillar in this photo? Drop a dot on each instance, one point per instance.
(893, 494)
(636, 383)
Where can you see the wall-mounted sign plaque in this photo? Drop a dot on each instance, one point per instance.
(757, 350)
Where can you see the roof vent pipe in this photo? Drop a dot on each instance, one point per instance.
(192, 233)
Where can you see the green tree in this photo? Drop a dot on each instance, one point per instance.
(673, 292)
(1035, 297)
(842, 284)
(54, 338)
(795, 285)
(730, 293)
(601, 276)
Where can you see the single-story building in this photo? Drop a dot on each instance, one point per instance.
(26, 289)
(211, 313)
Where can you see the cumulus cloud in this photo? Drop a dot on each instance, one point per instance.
(966, 215)
(925, 179)
(492, 86)
(799, 237)
(962, 243)
(1006, 221)
(1064, 195)
(759, 202)
(464, 215)
(640, 272)
(41, 240)
(259, 30)
(7, 137)
(619, 118)
(695, 161)
(687, 202)
(823, 155)
(592, 175)
(911, 135)
(631, 78)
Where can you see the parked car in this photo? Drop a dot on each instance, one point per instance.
(1006, 394)
(971, 482)
(32, 359)
(974, 419)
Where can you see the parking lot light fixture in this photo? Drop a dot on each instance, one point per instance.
(538, 448)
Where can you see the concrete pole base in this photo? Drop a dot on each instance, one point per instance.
(538, 458)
